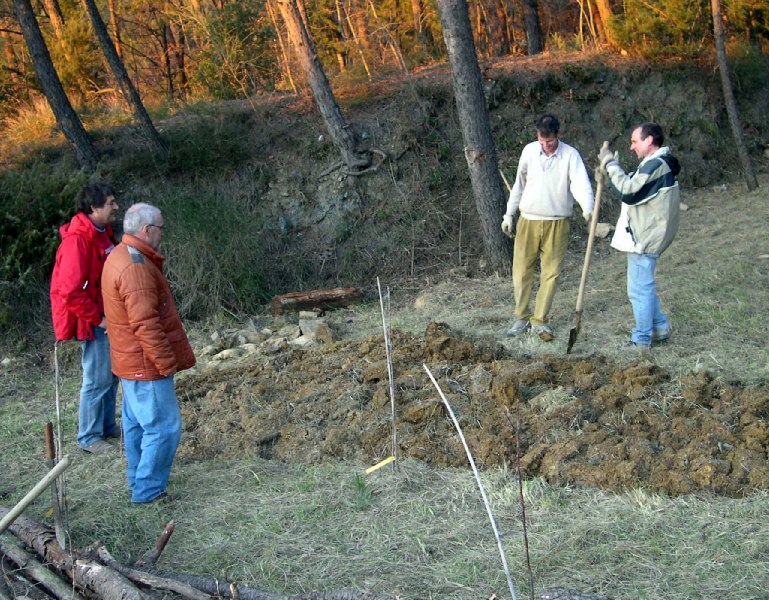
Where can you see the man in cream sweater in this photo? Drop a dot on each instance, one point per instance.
(550, 177)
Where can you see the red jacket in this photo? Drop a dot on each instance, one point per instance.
(146, 336)
(76, 303)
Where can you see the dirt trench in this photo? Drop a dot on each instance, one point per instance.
(581, 421)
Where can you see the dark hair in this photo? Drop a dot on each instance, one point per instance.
(548, 125)
(93, 195)
(654, 130)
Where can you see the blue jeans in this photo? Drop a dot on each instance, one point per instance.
(152, 428)
(98, 391)
(643, 297)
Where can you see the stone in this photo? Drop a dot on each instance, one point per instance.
(228, 354)
(323, 333)
(290, 331)
(302, 341)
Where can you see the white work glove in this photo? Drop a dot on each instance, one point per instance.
(600, 176)
(586, 215)
(605, 155)
(507, 225)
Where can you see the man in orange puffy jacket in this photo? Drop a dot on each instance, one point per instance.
(78, 311)
(148, 346)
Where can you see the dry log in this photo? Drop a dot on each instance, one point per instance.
(5, 591)
(37, 571)
(105, 582)
(321, 298)
(221, 589)
(153, 581)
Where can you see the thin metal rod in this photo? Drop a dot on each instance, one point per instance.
(478, 481)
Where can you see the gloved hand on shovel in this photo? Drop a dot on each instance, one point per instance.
(600, 176)
(605, 155)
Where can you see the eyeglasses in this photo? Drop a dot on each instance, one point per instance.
(161, 227)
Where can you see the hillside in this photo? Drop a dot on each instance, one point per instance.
(644, 476)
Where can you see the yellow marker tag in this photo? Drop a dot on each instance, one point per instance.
(381, 464)
(49, 513)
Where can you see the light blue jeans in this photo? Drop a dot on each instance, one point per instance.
(152, 428)
(98, 391)
(644, 299)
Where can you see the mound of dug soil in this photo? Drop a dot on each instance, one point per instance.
(580, 421)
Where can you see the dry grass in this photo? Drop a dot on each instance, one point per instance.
(420, 532)
(423, 532)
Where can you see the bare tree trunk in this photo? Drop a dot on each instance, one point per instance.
(66, 116)
(731, 105)
(391, 42)
(165, 58)
(10, 55)
(178, 52)
(603, 19)
(283, 54)
(480, 153)
(534, 42)
(357, 41)
(335, 122)
(114, 21)
(505, 39)
(417, 15)
(55, 15)
(123, 80)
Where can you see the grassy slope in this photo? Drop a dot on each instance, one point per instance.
(423, 532)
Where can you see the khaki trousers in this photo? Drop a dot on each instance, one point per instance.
(547, 240)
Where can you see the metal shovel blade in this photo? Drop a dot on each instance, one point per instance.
(574, 332)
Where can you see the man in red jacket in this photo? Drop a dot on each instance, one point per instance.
(148, 346)
(78, 310)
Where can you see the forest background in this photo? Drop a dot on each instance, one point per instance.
(217, 77)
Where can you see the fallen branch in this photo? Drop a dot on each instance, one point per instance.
(105, 582)
(151, 556)
(113, 580)
(217, 588)
(330, 297)
(37, 571)
(153, 581)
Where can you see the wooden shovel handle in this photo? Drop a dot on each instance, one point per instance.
(589, 251)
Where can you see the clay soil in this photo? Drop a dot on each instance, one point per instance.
(580, 421)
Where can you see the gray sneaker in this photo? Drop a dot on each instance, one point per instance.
(632, 346)
(520, 326)
(660, 335)
(545, 332)
(100, 447)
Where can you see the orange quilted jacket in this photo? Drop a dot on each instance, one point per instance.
(146, 336)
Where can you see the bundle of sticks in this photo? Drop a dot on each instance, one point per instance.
(34, 560)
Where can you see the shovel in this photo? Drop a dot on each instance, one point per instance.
(585, 266)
